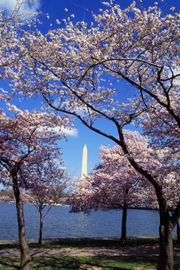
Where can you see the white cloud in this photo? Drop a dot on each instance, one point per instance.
(26, 6)
(70, 131)
(65, 130)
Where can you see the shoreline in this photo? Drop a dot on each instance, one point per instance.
(79, 239)
(133, 208)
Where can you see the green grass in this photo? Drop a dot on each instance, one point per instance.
(73, 263)
(108, 243)
(81, 243)
(103, 262)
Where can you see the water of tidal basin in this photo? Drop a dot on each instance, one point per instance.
(59, 223)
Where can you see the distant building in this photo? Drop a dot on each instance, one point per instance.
(84, 163)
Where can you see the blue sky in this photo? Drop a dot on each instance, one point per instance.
(72, 149)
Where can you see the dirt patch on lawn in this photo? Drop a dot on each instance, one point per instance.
(140, 250)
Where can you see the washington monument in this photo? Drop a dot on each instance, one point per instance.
(84, 163)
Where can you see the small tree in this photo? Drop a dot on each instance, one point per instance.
(47, 190)
(115, 184)
(25, 139)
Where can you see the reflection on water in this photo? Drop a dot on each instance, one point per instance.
(59, 223)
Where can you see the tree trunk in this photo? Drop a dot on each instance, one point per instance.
(25, 254)
(166, 261)
(41, 225)
(178, 232)
(123, 225)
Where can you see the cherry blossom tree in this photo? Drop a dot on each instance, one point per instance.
(25, 140)
(47, 189)
(120, 68)
(10, 23)
(115, 184)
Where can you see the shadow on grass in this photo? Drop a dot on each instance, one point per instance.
(75, 263)
(84, 242)
(56, 263)
(5, 246)
(53, 263)
(88, 242)
(91, 242)
(70, 263)
(9, 263)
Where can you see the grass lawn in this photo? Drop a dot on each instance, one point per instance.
(82, 263)
(103, 262)
(92, 242)
(73, 263)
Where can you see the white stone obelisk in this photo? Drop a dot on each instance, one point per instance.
(84, 163)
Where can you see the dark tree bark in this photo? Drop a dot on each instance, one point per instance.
(178, 232)
(166, 260)
(41, 224)
(123, 225)
(25, 253)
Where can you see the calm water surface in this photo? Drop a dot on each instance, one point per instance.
(60, 223)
